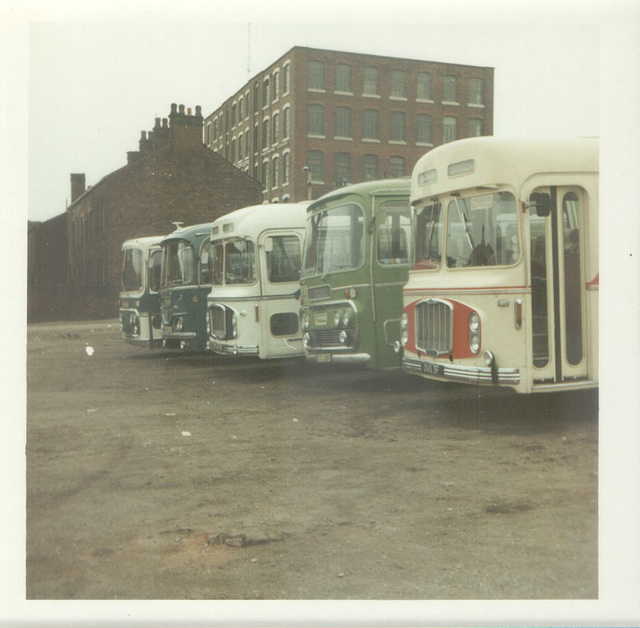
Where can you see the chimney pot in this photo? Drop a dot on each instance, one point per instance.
(78, 183)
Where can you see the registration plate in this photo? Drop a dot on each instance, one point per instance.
(168, 329)
(432, 368)
(324, 358)
(320, 319)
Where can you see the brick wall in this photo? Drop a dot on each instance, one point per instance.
(47, 295)
(173, 177)
(299, 97)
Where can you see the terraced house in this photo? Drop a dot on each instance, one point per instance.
(315, 120)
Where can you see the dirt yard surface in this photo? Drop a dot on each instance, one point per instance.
(160, 475)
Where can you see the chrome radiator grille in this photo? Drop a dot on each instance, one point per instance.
(218, 321)
(330, 338)
(434, 327)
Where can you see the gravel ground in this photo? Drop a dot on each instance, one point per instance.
(160, 475)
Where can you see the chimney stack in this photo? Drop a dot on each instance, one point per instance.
(186, 129)
(78, 186)
(146, 143)
(161, 134)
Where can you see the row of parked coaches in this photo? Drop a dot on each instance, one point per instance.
(482, 268)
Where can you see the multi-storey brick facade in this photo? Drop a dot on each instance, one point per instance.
(173, 177)
(346, 118)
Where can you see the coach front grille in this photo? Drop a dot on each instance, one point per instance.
(218, 321)
(434, 327)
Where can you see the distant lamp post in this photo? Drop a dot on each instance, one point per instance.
(307, 172)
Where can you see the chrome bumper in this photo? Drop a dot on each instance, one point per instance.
(179, 335)
(338, 358)
(461, 373)
(227, 349)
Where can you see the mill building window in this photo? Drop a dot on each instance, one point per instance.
(286, 123)
(315, 162)
(450, 89)
(315, 75)
(449, 129)
(398, 84)
(286, 78)
(342, 169)
(476, 91)
(370, 87)
(286, 168)
(424, 86)
(423, 129)
(476, 127)
(265, 92)
(370, 125)
(370, 167)
(397, 166)
(343, 78)
(343, 122)
(398, 127)
(315, 120)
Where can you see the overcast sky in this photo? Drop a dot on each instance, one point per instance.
(93, 87)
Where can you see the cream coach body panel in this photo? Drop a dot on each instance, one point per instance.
(240, 313)
(537, 322)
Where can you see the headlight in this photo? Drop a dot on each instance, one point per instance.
(474, 332)
(306, 337)
(346, 318)
(343, 336)
(305, 320)
(404, 329)
(178, 323)
(337, 317)
(234, 325)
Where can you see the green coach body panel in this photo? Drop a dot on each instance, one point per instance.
(357, 259)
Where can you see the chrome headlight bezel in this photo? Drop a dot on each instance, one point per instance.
(234, 325)
(474, 327)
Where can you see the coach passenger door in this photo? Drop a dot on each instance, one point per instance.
(282, 261)
(557, 245)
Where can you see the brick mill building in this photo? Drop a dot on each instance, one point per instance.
(346, 118)
(173, 177)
